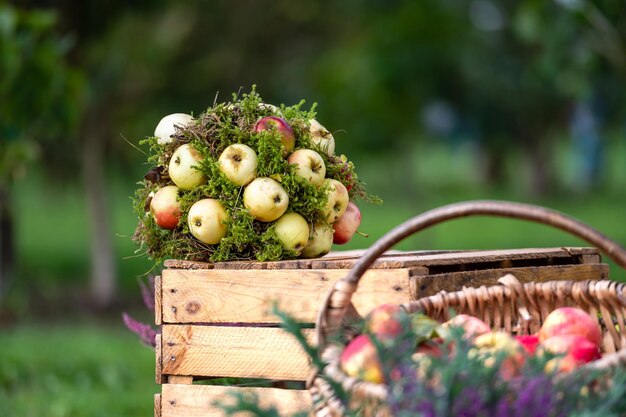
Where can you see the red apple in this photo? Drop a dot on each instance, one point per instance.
(287, 137)
(385, 321)
(577, 349)
(570, 320)
(529, 342)
(472, 326)
(359, 359)
(347, 224)
(165, 207)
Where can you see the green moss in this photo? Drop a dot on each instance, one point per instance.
(210, 133)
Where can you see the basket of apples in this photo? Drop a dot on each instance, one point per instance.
(491, 345)
(245, 180)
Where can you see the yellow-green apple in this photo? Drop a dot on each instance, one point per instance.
(491, 344)
(570, 320)
(320, 241)
(207, 221)
(238, 162)
(183, 167)
(167, 126)
(337, 201)
(265, 199)
(309, 165)
(165, 207)
(359, 359)
(321, 137)
(270, 107)
(293, 231)
(472, 326)
(574, 350)
(347, 224)
(386, 321)
(287, 137)
(529, 342)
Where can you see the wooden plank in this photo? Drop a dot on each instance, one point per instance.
(157, 405)
(158, 309)
(224, 351)
(180, 379)
(423, 286)
(200, 400)
(159, 360)
(219, 296)
(394, 259)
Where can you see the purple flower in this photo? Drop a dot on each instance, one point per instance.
(146, 333)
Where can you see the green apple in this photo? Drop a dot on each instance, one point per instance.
(206, 220)
(265, 199)
(320, 241)
(321, 137)
(293, 231)
(238, 162)
(167, 126)
(338, 199)
(309, 165)
(183, 167)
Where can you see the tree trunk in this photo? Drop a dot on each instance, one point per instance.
(103, 268)
(7, 241)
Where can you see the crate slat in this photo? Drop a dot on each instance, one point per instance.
(199, 400)
(423, 286)
(215, 296)
(240, 352)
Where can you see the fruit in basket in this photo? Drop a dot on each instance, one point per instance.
(309, 165)
(293, 231)
(574, 350)
(570, 320)
(347, 224)
(472, 326)
(265, 199)
(320, 241)
(287, 136)
(238, 162)
(360, 359)
(386, 321)
(167, 126)
(183, 167)
(498, 344)
(321, 137)
(165, 207)
(337, 202)
(207, 221)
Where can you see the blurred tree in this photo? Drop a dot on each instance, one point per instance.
(38, 105)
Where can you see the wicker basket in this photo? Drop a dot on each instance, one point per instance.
(510, 306)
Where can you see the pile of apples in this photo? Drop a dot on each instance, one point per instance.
(263, 197)
(567, 339)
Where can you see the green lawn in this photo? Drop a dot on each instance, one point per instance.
(74, 370)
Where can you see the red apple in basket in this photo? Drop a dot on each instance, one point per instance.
(347, 224)
(165, 207)
(570, 320)
(529, 342)
(359, 359)
(287, 137)
(472, 326)
(577, 351)
(386, 322)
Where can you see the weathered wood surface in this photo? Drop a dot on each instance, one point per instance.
(422, 286)
(241, 352)
(158, 301)
(158, 353)
(157, 405)
(200, 400)
(214, 296)
(395, 259)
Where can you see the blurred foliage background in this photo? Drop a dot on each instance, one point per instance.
(435, 101)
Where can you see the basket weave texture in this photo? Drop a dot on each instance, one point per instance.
(516, 308)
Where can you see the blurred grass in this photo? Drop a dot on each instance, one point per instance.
(74, 369)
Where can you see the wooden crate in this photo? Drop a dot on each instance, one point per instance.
(216, 320)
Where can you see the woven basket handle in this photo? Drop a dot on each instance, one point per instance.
(338, 301)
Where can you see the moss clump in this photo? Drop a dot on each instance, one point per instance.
(210, 133)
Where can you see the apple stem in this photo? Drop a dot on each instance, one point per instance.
(362, 234)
